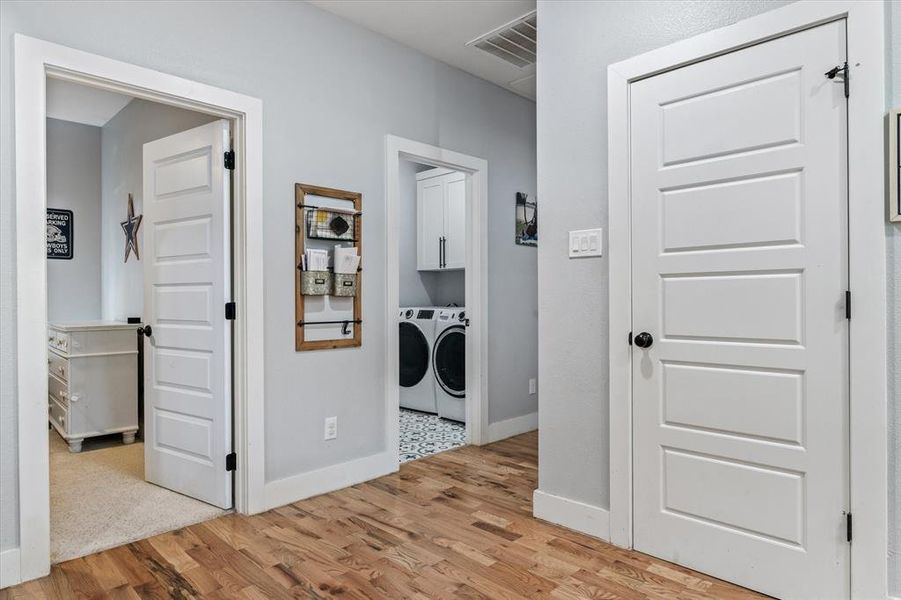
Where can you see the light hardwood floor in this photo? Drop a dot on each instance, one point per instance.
(455, 525)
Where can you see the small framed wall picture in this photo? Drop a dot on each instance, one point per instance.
(894, 165)
(60, 228)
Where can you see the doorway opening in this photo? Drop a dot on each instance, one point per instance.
(114, 474)
(435, 277)
(432, 315)
(35, 62)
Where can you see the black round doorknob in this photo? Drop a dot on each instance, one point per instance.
(147, 330)
(644, 340)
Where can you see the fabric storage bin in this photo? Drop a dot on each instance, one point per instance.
(315, 283)
(345, 284)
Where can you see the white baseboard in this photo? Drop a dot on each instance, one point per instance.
(585, 518)
(510, 427)
(10, 568)
(328, 479)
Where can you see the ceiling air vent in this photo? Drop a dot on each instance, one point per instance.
(514, 42)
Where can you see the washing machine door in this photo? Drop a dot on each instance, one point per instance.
(414, 354)
(449, 361)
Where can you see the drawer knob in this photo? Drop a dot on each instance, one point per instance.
(75, 398)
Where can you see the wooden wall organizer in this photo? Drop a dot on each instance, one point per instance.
(301, 210)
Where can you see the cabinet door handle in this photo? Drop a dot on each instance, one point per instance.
(443, 252)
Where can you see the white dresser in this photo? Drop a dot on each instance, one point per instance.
(93, 380)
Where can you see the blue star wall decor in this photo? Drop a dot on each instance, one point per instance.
(130, 226)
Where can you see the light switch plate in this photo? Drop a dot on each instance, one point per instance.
(586, 242)
(331, 428)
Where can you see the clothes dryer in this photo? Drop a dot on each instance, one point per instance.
(417, 380)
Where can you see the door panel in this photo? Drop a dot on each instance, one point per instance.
(739, 246)
(702, 217)
(757, 403)
(770, 117)
(430, 213)
(754, 308)
(187, 280)
(733, 494)
(455, 222)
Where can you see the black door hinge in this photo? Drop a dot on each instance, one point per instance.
(231, 461)
(846, 76)
(848, 527)
(230, 311)
(230, 160)
(847, 304)
(630, 338)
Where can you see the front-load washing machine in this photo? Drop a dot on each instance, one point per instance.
(449, 363)
(417, 381)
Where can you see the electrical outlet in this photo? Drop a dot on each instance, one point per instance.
(533, 386)
(331, 428)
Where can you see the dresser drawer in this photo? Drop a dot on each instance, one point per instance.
(58, 365)
(58, 340)
(58, 414)
(58, 389)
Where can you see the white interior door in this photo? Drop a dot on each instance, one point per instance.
(187, 281)
(455, 221)
(430, 212)
(739, 233)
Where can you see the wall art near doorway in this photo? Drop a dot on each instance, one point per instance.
(59, 233)
(526, 220)
(130, 226)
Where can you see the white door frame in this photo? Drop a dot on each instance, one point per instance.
(868, 350)
(35, 60)
(476, 280)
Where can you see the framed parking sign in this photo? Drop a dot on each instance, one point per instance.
(894, 165)
(59, 233)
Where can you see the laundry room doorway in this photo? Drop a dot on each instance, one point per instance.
(435, 277)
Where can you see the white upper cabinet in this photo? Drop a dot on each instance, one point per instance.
(441, 220)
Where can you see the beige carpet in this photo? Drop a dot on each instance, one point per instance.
(99, 499)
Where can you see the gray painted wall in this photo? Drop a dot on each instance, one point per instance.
(577, 41)
(325, 115)
(122, 146)
(73, 183)
(422, 288)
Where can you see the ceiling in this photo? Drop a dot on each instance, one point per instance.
(441, 29)
(69, 101)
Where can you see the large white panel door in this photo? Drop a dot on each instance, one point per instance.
(739, 233)
(455, 221)
(187, 281)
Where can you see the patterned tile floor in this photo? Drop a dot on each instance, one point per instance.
(424, 434)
